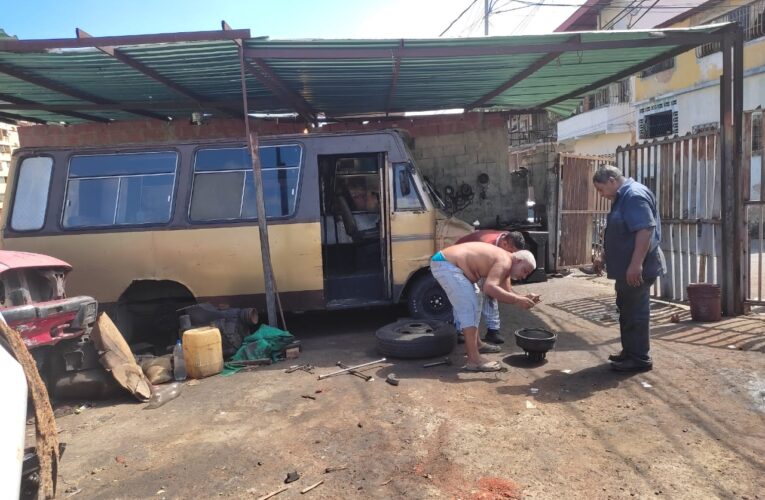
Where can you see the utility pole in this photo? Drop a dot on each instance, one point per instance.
(486, 17)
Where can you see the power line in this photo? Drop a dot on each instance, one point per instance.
(458, 17)
(635, 21)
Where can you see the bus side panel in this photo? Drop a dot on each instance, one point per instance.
(211, 262)
(412, 246)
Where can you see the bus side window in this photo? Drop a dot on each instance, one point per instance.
(404, 188)
(31, 200)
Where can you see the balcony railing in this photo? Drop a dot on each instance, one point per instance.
(750, 17)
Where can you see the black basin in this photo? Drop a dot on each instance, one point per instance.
(535, 342)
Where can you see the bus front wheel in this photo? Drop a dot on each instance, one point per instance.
(427, 300)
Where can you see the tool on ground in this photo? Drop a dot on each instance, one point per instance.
(355, 372)
(445, 361)
(345, 370)
(306, 490)
(392, 379)
(306, 368)
(250, 362)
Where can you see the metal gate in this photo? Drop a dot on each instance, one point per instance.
(684, 174)
(582, 211)
(754, 206)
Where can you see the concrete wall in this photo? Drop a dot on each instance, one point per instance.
(451, 150)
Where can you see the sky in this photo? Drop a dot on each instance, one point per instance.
(30, 19)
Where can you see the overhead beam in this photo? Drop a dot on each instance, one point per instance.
(18, 118)
(24, 104)
(225, 27)
(65, 90)
(272, 82)
(618, 76)
(662, 39)
(154, 75)
(13, 45)
(538, 64)
(204, 105)
(394, 76)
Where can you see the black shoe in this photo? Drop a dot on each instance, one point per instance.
(618, 357)
(631, 365)
(460, 338)
(493, 337)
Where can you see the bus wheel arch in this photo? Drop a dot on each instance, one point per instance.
(147, 310)
(424, 297)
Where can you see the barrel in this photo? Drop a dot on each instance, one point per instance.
(202, 351)
(705, 301)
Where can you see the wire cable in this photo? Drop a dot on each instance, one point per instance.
(458, 18)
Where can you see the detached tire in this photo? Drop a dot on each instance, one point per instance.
(427, 300)
(413, 338)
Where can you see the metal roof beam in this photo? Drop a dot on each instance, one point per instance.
(538, 64)
(13, 45)
(63, 89)
(24, 104)
(228, 103)
(225, 27)
(142, 68)
(662, 39)
(394, 76)
(618, 76)
(267, 77)
(18, 118)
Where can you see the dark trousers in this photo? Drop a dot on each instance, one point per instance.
(634, 303)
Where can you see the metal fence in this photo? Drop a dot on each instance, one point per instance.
(684, 174)
(754, 206)
(582, 211)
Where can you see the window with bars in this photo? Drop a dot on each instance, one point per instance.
(750, 17)
(658, 68)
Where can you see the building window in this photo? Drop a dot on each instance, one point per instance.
(658, 68)
(31, 198)
(659, 119)
(120, 189)
(224, 190)
(750, 17)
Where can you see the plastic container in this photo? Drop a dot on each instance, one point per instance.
(705, 301)
(162, 394)
(203, 351)
(179, 362)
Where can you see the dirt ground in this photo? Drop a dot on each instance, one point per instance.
(694, 427)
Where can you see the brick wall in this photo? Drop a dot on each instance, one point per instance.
(452, 150)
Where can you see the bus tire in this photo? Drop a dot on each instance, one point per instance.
(427, 300)
(412, 338)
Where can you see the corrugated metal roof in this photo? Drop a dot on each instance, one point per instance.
(335, 77)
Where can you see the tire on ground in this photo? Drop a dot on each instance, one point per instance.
(416, 338)
(427, 300)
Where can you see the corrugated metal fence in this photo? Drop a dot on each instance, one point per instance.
(754, 206)
(684, 174)
(581, 210)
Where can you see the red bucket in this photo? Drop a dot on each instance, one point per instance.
(705, 301)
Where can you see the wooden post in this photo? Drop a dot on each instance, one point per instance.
(265, 249)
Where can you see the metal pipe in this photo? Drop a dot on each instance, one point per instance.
(350, 368)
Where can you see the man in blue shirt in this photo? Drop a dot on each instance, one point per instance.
(633, 259)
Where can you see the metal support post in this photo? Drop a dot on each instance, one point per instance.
(731, 114)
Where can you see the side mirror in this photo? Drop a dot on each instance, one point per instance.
(404, 183)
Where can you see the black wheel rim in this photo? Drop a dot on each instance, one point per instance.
(435, 302)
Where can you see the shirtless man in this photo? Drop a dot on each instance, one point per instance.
(457, 267)
(511, 241)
